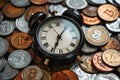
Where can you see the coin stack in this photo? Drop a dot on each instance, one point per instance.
(99, 57)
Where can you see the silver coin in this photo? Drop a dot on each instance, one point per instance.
(8, 73)
(81, 74)
(58, 8)
(19, 59)
(98, 2)
(22, 24)
(2, 63)
(114, 26)
(20, 3)
(112, 2)
(3, 46)
(1, 16)
(108, 76)
(55, 1)
(6, 28)
(76, 4)
(117, 2)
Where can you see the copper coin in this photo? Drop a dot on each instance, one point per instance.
(12, 12)
(71, 75)
(108, 12)
(59, 76)
(2, 3)
(90, 20)
(90, 11)
(21, 40)
(18, 77)
(34, 9)
(86, 64)
(99, 64)
(111, 57)
(112, 44)
(39, 2)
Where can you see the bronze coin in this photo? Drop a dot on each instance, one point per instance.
(34, 9)
(59, 76)
(108, 12)
(90, 20)
(12, 12)
(18, 77)
(112, 44)
(99, 64)
(21, 40)
(90, 11)
(71, 75)
(39, 2)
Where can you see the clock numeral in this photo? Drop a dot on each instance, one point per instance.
(43, 38)
(74, 37)
(67, 49)
(46, 45)
(72, 44)
(57, 23)
(45, 31)
(60, 51)
(52, 50)
(50, 26)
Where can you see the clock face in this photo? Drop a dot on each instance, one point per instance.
(58, 35)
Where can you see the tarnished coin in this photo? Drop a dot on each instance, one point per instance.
(22, 24)
(20, 3)
(3, 46)
(107, 76)
(97, 35)
(98, 2)
(111, 57)
(39, 2)
(112, 44)
(76, 4)
(81, 74)
(1, 16)
(90, 11)
(6, 28)
(108, 12)
(55, 1)
(21, 40)
(114, 26)
(86, 64)
(99, 64)
(32, 72)
(12, 12)
(8, 72)
(46, 75)
(2, 64)
(90, 20)
(19, 59)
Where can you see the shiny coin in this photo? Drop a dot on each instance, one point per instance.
(98, 1)
(111, 57)
(112, 44)
(8, 73)
(114, 26)
(39, 2)
(97, 35)
(108, 12)
(6, 28)
(46, 75)
(81, 74)
(76, 4)
(20, 3)
(19, 59)
(55, 1)
(117, 2)
(3, 46)
(112, 2)
(21, 40)
(86, 64)
(90, 11)
(12, 12)
(1, 16)
(90, 20)
(108, 76)
(2, 63)
(99, 64)
(22, 24)
(32, 72)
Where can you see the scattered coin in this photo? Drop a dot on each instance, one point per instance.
(39, 2)
(32, 53)
(111, 57)
(32, 72)
(46, 75)
(18, 76)
(108, 12)
(98, 2)
(1, 16)
(97, 35)
(12, 12)
(55, 1)
(112, 2)
(117, 2)
(6, 28)
(76, 4)
(2, 3)
(19, 59)
(21, 40)
(2, 64)
(20, 3)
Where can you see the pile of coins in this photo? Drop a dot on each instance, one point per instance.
(99, 58)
